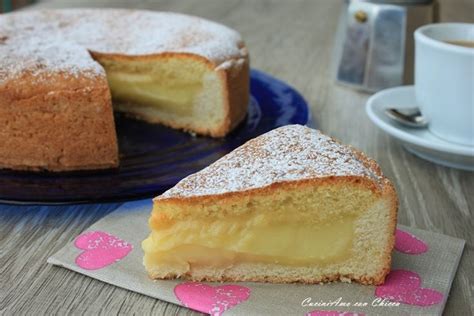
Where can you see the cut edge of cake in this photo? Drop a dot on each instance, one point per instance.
(227, 83)
(254, 272)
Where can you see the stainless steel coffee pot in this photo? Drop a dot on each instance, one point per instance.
(376, 48)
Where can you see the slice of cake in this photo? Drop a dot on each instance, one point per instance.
(292, 205)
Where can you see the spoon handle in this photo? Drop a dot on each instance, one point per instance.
(410, 117)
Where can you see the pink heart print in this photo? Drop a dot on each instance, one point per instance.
(333, 313)
(405, 287)
(213, 300)
(409, 244)
(100, 249)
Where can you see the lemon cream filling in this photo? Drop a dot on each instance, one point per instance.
(166, 84)
(150, 90)
(222, 243)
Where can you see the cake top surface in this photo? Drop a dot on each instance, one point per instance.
(288, 153)
(38, 56)
(28, 37)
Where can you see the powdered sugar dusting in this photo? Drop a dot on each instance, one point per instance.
(59, 39)
(289, 153)
(37, 55)
(40, 48)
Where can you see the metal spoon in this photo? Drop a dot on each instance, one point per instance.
(410, 117)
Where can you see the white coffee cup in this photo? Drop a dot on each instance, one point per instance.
(444, 80)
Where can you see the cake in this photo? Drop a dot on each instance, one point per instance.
(54, 119)
(291, 205)
(61, 69)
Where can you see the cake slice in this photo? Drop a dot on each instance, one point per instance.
(292, 205)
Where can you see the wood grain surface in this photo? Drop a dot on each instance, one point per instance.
(293, 40)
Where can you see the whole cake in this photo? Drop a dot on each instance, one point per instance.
(292, 205)
(60, 69)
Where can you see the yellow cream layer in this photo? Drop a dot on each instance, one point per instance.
(167, 83)
(154, 90)
(250, 239)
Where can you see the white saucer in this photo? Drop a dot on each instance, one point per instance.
(420, 142)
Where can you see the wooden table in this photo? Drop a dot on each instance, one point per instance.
(292, 40)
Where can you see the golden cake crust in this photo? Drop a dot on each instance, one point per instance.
(57, 122)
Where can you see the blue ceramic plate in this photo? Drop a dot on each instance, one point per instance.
(153, 158)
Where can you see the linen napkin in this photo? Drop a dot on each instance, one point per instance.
(423, 268)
